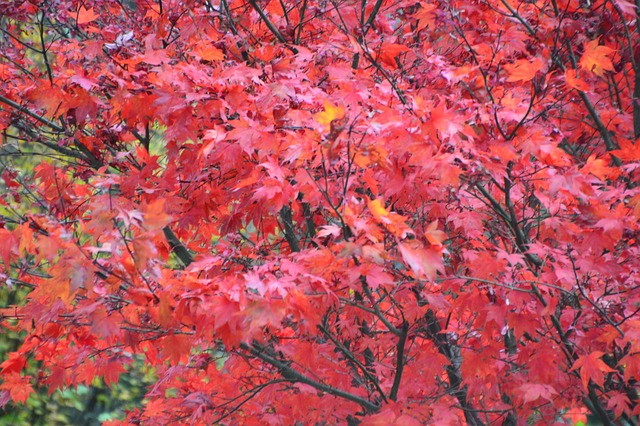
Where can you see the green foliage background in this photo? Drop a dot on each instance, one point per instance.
(82, 406)
(75, 406)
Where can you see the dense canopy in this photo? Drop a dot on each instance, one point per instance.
(325, 211)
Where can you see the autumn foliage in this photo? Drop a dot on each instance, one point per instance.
(325, 211)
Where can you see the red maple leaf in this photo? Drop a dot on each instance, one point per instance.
(591, 368)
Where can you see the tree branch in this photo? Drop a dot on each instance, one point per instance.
(177, 247)
(372, 16)
(602, 129)
(289, 229)
(351, 357)
(270, 25)
(31, 114)
(376, 309)
(291, 374)
(452, 353)
(393, 395)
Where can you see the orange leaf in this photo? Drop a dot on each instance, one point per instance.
(627, 7)
(423, 262)
(112, 373)
(596, 58)
(619, 403)
(86, 15)
(523, 70)
(433, 235)
(444, 121)
(261, 313)
(390, 52)
(7, 250)
(144, 250)
(628, 150)
(209, 52)
(14, 364)
(573, 81)
(577, 415)
(155, 217)
(174, 347)
(425, 15)
(599, 167)
(103, 324)
(631, 364)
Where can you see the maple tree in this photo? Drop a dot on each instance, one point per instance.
(328, 211)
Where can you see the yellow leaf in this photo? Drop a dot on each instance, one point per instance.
(377, 209)
(331, 112)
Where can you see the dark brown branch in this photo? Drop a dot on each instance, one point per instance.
(594, 403)
(53, 126)
(595, 306)
(270, 25)
(602, 129)
(308, 218)
(28, 46)
(44, 50)
(289, 230)
(303, 10)
(145, 140)
(177, 247)
(393, 395)
(636, 106)
(452, 353)
(515, 14)
(251, 393)
(390, 79)
(89, 157)
(376, 309)
(351, 357)
(522, 240)
(372, 16)
(291, 374)
(636, 89)
(512, 222)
